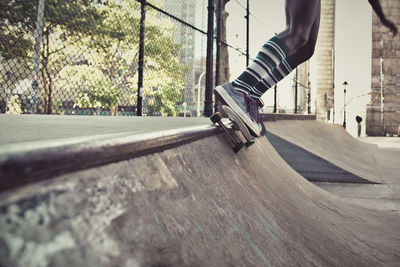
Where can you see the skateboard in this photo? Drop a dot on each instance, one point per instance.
(231, 129)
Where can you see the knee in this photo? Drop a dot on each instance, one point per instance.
(308, 51)
(298, 39)
(304, 53)
(300, 43)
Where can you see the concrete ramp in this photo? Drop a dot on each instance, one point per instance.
(197, 204)
(336, 152)
(331, 142)
(311, 166)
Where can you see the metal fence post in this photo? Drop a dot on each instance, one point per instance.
(248, 33)
(219, 43)
(333, 85)
(344, 103)
(208, 107)
(218, 52)
(36, 58)
(139, 105)
(276, 98)
(309, 98)
(296, 91)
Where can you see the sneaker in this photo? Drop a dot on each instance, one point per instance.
(245, 107)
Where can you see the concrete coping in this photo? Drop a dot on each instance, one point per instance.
(281, 116)
(23, 163)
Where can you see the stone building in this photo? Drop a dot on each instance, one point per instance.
(383, 111)
(324, 100)
(303, 88)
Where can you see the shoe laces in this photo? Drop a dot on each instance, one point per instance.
(252, 107)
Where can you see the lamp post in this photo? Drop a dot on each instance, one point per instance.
(276, 98)
(344, 104)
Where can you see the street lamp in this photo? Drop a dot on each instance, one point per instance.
(184, 109)
(344, 104)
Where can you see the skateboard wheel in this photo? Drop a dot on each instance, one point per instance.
(216, 117)
(250, 143)
(238, 147)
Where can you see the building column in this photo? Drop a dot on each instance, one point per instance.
(325, 58)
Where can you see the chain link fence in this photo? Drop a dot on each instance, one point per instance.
(82, 57)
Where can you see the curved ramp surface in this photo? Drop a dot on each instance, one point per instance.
(309, 165)
(198, 204)
(331, 142)
(334, 145)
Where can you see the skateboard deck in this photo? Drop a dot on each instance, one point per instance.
(236, 125)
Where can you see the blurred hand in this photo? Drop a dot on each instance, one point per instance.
(391, 26)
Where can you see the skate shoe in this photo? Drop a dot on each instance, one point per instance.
(245, 107)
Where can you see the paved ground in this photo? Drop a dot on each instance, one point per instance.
(200, 204)
(382, 142)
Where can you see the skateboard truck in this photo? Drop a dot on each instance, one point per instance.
(237, 125)
(237, 144)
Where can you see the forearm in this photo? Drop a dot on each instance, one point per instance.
(376, 6)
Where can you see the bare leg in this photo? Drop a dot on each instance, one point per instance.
(303, 54)
(301, 36)
(302, 18)
(277, 58)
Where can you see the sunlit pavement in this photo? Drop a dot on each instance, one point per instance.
(382, 142)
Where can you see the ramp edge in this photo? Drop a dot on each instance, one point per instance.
(24, 163)
(281, 116)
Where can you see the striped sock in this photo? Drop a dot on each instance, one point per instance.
(272, 78)
(271, 54)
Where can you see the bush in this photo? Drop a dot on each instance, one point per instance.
(57, 108)
(99, 95)
(165, 100)
(14, 105)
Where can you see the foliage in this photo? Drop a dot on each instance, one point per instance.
(99, 95)
(68, 20)
(57, 108)
(165, 94)
(166, 99)
(117, 55)
(14, 105)
(92, 44)
(18, 20)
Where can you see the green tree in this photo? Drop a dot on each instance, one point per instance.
(114, 57)
(64, 18)
(14, 105)
(99, 95)
(86, 42)
(165, 99)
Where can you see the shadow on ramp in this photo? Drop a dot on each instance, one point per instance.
(311, 166)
